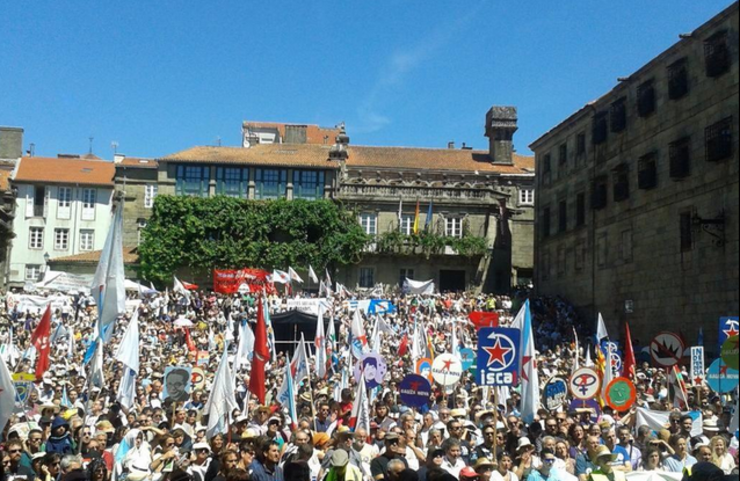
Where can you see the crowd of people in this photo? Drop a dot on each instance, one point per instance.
(70, 427)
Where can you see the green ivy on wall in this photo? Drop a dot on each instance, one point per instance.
(227, 233)
(429, 243)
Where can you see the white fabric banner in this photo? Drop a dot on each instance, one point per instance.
(658, 420)
(36, 304)
(308, 306)
(654, 476)
(65, 282)
(425, 288)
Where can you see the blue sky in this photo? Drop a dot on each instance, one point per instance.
(161, 76)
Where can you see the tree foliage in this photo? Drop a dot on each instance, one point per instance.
(227, 233)
(429, 244)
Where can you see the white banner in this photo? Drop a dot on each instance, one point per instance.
(654, 476)
(425, 288)
(65, 282)
(308, 306)
(36, 304)
(658, 420)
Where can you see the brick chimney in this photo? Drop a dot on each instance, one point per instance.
(500, 128)
(11, 143)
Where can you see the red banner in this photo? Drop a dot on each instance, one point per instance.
(484, 319)
(228, 281)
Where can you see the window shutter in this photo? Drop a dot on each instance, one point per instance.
(29, 201)
(47, 195)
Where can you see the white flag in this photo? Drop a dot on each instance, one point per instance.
(530, 383)
(360, 417)
(280, 277)
(108, 282)
(320, 343)
(7, 395)
(128, 354)
(221, 403)
(294, 276)
(179, 287)
(312, 275)
(299, 363)
(246, 345)
(359, 338)
(601, 332)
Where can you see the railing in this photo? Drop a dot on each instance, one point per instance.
(38, 211)
(351, 190)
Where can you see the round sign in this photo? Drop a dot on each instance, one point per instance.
(620, 394)
(729, 353)
(666, 349)
(590, 406)
(447, 370)
(244, 289)
(721, 378)
(585, 384)
(198, 378)
(424, 368)
(373, 367)
(556, 393)
(415, 391)
(469, 358)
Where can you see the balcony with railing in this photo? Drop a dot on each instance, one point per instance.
(365, 191)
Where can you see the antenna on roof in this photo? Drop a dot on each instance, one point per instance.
(218, 140)
(114, 146)
(91, 141)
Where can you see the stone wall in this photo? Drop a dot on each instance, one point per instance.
(627, 260)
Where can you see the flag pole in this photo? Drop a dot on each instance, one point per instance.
(495, 421)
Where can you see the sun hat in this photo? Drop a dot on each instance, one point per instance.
(602, 452)
(523, 443)
(339, 458)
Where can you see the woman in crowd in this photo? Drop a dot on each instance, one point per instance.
(562, 452)
(651, 460)
(503, 470)
(720, 457)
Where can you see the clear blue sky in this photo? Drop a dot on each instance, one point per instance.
(161, 76)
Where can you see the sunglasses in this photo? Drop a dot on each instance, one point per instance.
(14, 451)
(549, 460)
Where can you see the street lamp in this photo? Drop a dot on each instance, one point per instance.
(46, 260)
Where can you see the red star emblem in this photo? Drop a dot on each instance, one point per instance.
(447, 365)
(496, 353)
(733, 330)
(415, 385)
(723, 369)
(698, 380)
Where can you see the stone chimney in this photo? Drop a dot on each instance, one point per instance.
(11, 143)
(339, 150)
(500, 128)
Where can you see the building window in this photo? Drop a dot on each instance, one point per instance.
(546, 168)
(563, 216)
(36, 238)
(308, 184)
(600, 193)
(192, 180)
(600, 128)
(88, 204)
(232, 181)
(718, 140)
(563, 155)
(546, 222)
(270, 183)
(61, 239)
(581, 209)
(679, 153)
(407, 224)
(369, 223)
(140, 227)
(150, 192)
(581, 143)
(647, 171)
(87, 240)
(38, 205)
(621, 183)
(33, 272)
(687, 240)
(646, 98)
(64, 203)
(618, 114)
(453, 227)
(405, 274)
(678, 79)
(367, 277)
(717, 54)
(602, 250)
(526, 196)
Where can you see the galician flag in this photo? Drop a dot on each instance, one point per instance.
(221, 403)
(294, 276)
(280, 277)
(530, 380)
(320, 343)
(360, 417)
(359, 338)
(312, 275)
(299, 363)
(7, 395)
(286, 396)
(128, 355)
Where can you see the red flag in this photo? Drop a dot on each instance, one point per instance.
(483, 319)
(629, 364)
(188, 286)
(261, 356)
(40, 340)
(404, 347)
(189, 341)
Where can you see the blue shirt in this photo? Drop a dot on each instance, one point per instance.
(676, 465)
(537, 476)
(260, 473)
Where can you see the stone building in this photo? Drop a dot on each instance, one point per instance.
(11, 149)
(637, 205)
(487, 195)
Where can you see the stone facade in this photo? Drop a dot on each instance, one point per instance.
(486, 194)
(637, 203)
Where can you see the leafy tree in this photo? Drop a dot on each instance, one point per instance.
(227, 233)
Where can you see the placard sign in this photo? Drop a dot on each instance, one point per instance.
(498, 356)
(556, 393)
(697, 365)
(415, 391)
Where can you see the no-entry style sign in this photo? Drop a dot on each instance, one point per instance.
(584, 384)
(415, 391)
(666, 349)
(620, 394)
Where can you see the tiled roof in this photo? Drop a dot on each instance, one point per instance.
(314, 134)
(304, 155)
(65, 171)
(135, 162)
(4, 176)
(278, 155)
(130, 256)
(434, 159)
